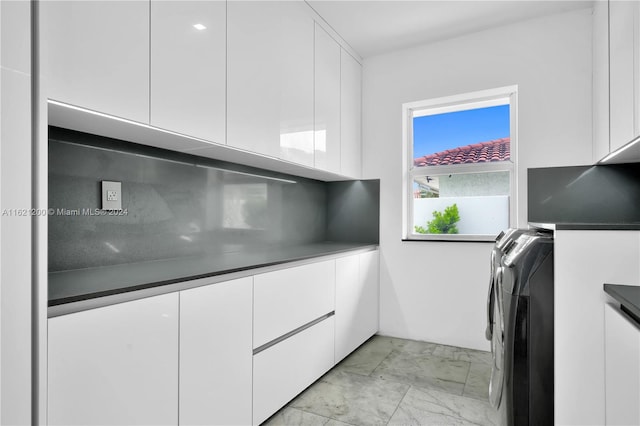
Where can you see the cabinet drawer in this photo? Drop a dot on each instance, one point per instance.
(286, 369)
(287, 299)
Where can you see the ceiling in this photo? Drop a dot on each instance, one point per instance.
(373, 27)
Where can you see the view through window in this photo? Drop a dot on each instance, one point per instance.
(459, 165)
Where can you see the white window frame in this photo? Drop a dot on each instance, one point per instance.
(481, 99)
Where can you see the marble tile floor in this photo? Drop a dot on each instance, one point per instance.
(390, 381)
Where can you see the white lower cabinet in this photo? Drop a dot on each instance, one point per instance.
(356, 301)
(287, 368)
(579, 323)
(115, 365)
(188, 357)
(622, 368)
(216, 354)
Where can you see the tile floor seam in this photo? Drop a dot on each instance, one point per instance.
(315, 414)
(400, 402)
(461, 419)
(381, 361)
(466, 379)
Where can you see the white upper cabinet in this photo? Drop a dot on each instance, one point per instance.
(624, 71)
(270, 79)
(600, 63)
(261, 76)
(350, 116)
(96, 55)
(188, 67)
(116, 365)
(327, 102)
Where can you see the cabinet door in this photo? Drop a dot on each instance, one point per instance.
(116, 365)
(216, 354)
(350, 115)
(624, 47)
(579, 328)
(600, 103)
(188, 67)
(370, 274)
(622, 358)
(270, 79)
(327, 102)
(286, 369)
(290, 298)
(356, 301)
(96, 55)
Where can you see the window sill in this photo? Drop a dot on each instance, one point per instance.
(453, 238)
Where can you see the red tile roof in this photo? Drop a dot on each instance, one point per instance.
(482, 152)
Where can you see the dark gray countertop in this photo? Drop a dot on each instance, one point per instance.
(628, 296)
(83, 284)
(597, 226)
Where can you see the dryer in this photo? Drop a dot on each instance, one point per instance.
(525, 307)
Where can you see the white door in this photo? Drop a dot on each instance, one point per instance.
(350, 116)
(270, 80)
(216, 354)
(116, 365)
(327, 102)
(96, 55)
(188, 67)
(356, 301)
(622, 369)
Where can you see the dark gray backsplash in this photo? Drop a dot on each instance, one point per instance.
(359, 201)
(585, 194)
(180, 205)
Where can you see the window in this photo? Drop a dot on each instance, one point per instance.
(459, 166)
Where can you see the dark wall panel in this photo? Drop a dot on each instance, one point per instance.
(353, 211)
(585, 194)
(176, 205)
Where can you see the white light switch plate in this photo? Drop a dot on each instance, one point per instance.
(111, 195)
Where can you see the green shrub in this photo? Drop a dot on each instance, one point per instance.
(442, 223)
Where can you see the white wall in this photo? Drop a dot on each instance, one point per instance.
(15, 231)
(436, 291)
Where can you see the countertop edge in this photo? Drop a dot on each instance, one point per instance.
(98, 300)
(627, 305)
(597, 226)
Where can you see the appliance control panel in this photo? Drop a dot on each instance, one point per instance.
(520, 246)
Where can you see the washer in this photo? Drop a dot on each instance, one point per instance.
(526, 283)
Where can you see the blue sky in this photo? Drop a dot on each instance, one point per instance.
(435, 133)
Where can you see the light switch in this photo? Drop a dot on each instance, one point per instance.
(111, 195)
